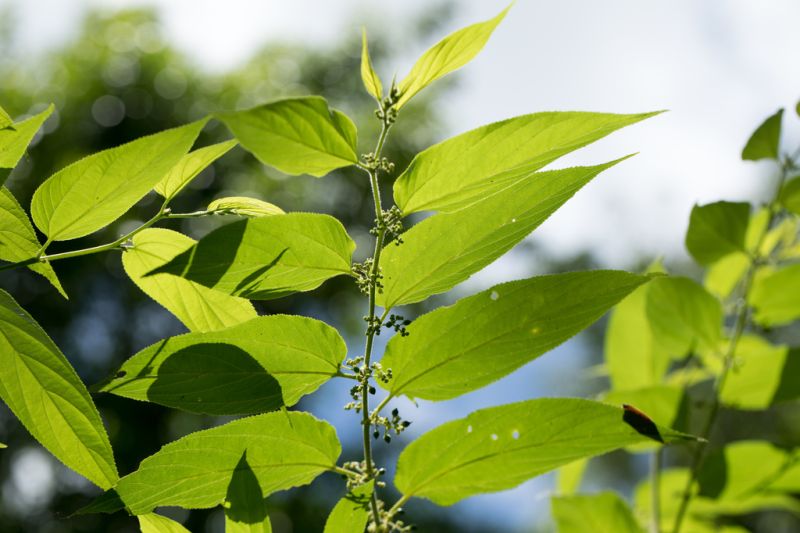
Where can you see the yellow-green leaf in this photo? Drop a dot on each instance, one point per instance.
(258, 366)
(96, 190)
(198, 307)
(189, 167)
(155, 523)
(604, 512)
(372, 83)
(351, 513)
(15, 140)
(776, 296)
(18, 241)
(296, 135)
(717, 230)
(449, 54)
(244, 206)
(42, 389)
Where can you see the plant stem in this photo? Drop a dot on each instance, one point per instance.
(163, 213)
(655, 491)
(727, 363)
(366, 418)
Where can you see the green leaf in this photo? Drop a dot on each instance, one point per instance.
(285, 449)
(464, 169)
(569, 477)
(500, 447)
(257, 366)
(717, 230)
(18, 241)
(447, 248)
(604, 512)
(244, 206)
(762, 375)
(351, 513)
(776, 296)
(633, 357)
(198, 307)
(5, 119)
(189, 166)
(683, 315)
(479, 339)
(372, 83)
(740, 469)
(765, 141)
(155, 523)
(3, 446)
(245, 506)
(14, 141)
(662, 403)
(93, 192)
(790, 195)
(296, 135)
(42, 389)
(269, 257)
(724, 275)
(449, 54)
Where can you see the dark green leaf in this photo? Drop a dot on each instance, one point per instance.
(253, 367)
(717, 230)
(790, 195)
(765, 141)
(296, 135)
(479, 339)
(42, 389)
(268, 257)
(245, 506)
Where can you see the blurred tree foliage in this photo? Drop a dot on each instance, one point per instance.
(118, 80)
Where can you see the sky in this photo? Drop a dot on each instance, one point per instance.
(719, 68)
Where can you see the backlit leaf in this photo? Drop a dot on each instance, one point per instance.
(479, 339)
(245, 506)
(257, 366)
(604, 512)
(716, 230)
(42, 389)
(776, 296)
(268, 257)
(569, 477)
(765, 141)
(763, 374)
(96, 190)
(284, 450)
(447, 248)
(5, 119)
(724, 275)
(189, 166)
(741, 468)
(351, 513)
(464, 169)
(296, 135)
(18, 241)
(244, 206)
(449, 54)
(155, 523)
(372, 83)
(14, 141)
(198, 307)
(790, 195)
(633, 356)
(683, 316)
(500, 447)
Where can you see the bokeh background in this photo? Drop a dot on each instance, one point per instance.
(119, 69)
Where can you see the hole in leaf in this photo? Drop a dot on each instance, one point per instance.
(494, 295)
(469, 429)
(515, 434)
(121, 374)
(494, 436)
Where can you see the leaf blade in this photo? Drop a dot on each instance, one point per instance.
(198, 307)
(450, 351)
(42, 389)
(14, 141)
(351, 513)
(296, 135)
(500, 447)
(189, 166)
(372, 83)
(254, 367)
(604, 512)
(764, 143)
(717, 230)
(96, 190)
